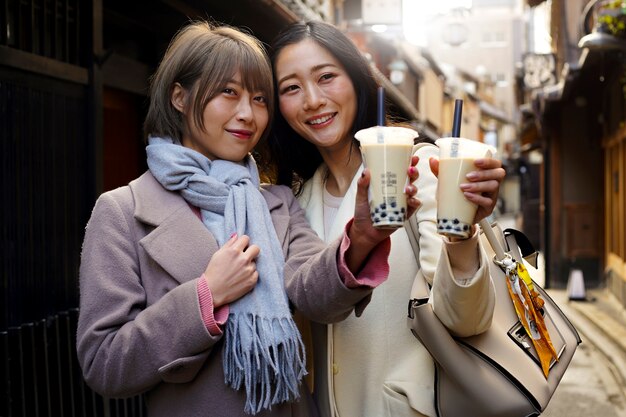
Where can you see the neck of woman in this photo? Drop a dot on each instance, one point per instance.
(342, 165)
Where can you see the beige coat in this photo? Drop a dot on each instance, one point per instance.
(140, 328)
(372, 366)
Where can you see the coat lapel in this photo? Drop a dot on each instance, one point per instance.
(280, 218)
(180, 243)
(312, 200)
(346, 209)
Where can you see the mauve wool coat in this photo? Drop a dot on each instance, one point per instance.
(140, 329)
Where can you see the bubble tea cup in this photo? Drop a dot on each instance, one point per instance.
(387, 153)
(455, 213)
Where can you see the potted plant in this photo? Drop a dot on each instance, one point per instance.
(611, 17)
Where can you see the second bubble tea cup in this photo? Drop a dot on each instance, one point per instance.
(387, 153)
(455, 213)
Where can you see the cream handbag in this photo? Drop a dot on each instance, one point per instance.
(496, 373)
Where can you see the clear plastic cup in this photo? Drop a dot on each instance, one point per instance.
(387, 153)
(455, 213)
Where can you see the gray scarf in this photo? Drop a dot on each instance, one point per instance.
(263, 348)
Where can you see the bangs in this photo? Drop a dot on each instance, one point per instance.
(228, 56)
(256, 75)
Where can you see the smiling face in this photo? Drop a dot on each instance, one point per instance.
(316, 95)
(234, 121)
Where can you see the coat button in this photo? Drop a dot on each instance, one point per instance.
(335, 369)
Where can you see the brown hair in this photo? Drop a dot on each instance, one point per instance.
(203, 58)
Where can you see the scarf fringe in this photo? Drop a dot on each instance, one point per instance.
(270, 364)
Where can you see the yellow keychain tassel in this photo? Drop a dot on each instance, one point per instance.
(528, 304)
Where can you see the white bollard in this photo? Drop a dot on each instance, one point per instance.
(576, 286)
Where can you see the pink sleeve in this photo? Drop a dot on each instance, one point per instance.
(375, 270)
(213, 318)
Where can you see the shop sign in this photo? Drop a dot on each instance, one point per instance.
(539, 70)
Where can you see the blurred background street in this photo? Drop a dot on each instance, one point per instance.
(543, 81)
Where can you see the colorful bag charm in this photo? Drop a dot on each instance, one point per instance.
(528, 306)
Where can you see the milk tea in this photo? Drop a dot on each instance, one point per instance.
(387, 153)
(388, 165)
(455, 213)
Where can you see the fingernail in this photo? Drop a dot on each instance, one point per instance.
(472, 175)
(233, 235)
(362, 174)
(412, 170)
(465, 186)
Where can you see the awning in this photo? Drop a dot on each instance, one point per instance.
(533, 3)
(395, 95)
(494, 112)
(425, 132)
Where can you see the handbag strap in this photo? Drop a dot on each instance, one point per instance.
(521, 241)
(492, 239)
(518, 244)
(419, 290)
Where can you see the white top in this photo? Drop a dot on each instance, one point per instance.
(331, 207)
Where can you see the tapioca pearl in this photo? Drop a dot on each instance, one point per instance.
(377, 209)
(376, 219)
(456, 221)
(383, 206)
(402, 209)
(465, 227)
(383, 214)
(393, 204)
(448, 227)
(396, 212)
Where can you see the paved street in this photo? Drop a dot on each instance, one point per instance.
(588, 388)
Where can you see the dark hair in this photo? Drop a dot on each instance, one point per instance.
(203, 57)
(295, 159)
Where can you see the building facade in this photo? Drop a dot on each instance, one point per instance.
(579, 127)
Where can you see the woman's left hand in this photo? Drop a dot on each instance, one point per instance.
(482, 186)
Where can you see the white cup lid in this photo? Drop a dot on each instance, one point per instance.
(464, 148)
(393, 135)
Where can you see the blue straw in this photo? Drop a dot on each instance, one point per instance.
(456, 124)
(380, 113)
(456, 127)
